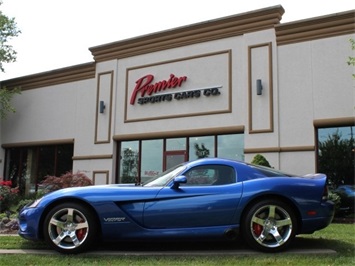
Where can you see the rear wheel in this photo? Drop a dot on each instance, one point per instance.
(269, 225)
(70, 228)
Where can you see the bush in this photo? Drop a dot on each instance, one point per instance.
(336, 199)
(260, 160)
(52, 183)
(8, 196)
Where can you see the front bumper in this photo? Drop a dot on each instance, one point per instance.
(29, 220)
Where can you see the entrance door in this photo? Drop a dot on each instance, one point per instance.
(172, 158)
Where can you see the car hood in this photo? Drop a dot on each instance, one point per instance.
(101, 193)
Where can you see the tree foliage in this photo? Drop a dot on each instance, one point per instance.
(336, 159)
(8, 30)
(5, 101)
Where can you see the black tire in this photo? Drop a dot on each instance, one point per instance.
(269, 225)
(70, 228)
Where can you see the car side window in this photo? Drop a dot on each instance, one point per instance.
(210, 175)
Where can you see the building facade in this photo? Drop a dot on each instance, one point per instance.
(232, 87)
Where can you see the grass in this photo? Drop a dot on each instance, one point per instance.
(338, 237)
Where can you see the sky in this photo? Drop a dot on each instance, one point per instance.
(59, 33)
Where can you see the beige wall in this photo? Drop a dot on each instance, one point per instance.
(304, 79)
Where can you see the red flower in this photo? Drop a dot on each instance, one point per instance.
(6, 183)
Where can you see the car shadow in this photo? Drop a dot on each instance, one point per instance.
(300, 243)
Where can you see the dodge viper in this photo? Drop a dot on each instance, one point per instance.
(209, 198)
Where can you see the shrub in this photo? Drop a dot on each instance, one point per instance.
(260, 160)
(52, 183)
(8, 196)
(336, 199)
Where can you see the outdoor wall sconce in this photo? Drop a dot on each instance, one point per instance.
(259, 87)
(102, 107)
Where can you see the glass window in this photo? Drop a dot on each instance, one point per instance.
(152, 159)
(143, 160)
(177, 144)
(47, 157)
(26, 167)
(63, 153)
(210, 175)
(231, 146)
(201, 147)
(336, 154)
(129, 162)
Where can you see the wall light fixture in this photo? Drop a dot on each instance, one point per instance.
(259, 87)
(102, 107)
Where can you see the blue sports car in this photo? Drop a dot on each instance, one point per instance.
(204, 199)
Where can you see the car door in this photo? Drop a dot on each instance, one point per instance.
(209, 198)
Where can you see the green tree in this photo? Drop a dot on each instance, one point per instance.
(336, 159)
(260, 160)
(5, 101)
(8, 30)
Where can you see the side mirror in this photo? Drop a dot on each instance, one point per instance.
(179, 180)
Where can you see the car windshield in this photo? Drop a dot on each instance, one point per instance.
(165, 177)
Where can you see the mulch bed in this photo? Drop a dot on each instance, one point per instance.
(8, 226)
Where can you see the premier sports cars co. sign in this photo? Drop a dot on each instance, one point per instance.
(146, 91)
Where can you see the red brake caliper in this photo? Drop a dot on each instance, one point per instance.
(257, 228)
(80, 233)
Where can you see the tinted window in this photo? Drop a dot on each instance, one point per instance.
(266, 171)
(210, 175)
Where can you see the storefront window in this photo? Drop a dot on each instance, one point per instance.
(336, 154)
(142, 160)
(152, 159)
(26, 167)
(201, 147)
(177, 144)
(231, 146)
(129, 162)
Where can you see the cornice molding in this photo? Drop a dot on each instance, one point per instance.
(54, 77)
(316, 28)
(180, 133)
(196, 33)
(38, 143)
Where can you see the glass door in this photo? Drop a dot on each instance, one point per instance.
(172, 158)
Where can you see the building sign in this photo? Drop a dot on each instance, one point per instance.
(146, 91)
(183, 87)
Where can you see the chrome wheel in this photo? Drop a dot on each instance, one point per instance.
(270, 226)
(69, 228)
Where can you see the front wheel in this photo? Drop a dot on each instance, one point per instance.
(70, 228)
(269, 225)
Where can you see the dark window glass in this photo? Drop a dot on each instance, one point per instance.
(26, 167)
(336, 154)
